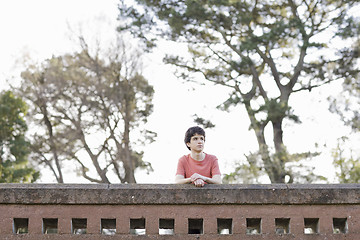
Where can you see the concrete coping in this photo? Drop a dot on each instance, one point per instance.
(176, 194)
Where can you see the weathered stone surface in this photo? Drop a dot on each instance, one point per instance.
(173, 194)
(327, 207)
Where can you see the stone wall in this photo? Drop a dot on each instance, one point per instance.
(119, 211)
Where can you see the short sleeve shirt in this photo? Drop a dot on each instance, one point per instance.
(208, 167)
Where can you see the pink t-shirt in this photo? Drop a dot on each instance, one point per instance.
(207, 167)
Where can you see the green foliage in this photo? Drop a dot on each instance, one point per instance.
(203, 122)
(276, 110)
(253, 171)
(347, 104)
(348, 168)
(14, 148)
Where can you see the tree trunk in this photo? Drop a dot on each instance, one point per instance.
(58, 175)
(281, 156)
(94, 158)
(128, 163)
(274, 171)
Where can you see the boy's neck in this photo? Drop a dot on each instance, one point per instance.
(197, 156)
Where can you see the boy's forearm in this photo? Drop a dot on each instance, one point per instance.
(182, 180)
(214, 180)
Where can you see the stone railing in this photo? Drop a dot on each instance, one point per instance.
(116, 211)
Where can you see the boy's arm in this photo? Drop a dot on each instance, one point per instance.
(216, 179)
(180, 179)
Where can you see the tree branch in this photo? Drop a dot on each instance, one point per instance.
(309, 88)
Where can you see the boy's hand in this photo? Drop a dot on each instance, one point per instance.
(199, 182)
(195, 177)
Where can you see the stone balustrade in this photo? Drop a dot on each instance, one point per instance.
(169, 211)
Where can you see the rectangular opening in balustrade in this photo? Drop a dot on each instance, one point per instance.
(137, 226)
(50, 225)
(340, 225)
(166, 226)
(282, 225)
(195, 226)
(108, 226)
(21, 225)
(79, 225)
(253, 226)
(311, 225)
(224, 225)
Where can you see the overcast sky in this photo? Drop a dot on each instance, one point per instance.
(39, 28)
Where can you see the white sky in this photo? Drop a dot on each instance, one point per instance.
(40, 28)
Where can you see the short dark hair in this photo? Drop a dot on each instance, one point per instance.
(191, 132)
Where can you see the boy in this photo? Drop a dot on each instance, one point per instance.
(197, 167)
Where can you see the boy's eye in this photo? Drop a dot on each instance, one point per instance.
(197, 138)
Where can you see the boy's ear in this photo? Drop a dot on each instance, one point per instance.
(188, 144)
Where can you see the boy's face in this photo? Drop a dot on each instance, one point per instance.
(196, 143)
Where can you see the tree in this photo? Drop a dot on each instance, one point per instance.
(88, 107)
(263, 51)
(14, 148)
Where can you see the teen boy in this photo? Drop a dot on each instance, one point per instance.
(197, 167)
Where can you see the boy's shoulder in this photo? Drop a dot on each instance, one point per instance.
(211, 156)
(184, 157)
